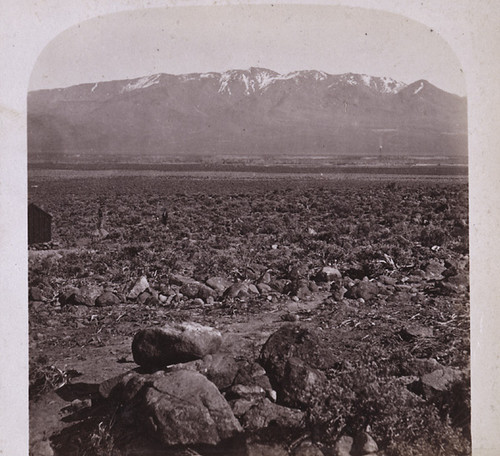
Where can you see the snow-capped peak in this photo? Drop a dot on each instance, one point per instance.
(141, 83)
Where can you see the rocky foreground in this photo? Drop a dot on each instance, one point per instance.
(263, 318)
(193, 394)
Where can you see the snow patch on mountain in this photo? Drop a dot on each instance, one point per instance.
(141, 83)
(419, 88)
(367, 80)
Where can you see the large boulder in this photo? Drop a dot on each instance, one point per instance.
(180, 408)
(300, 384)
(291, 357)
(174, 343)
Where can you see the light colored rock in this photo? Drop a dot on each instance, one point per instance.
(440, 380)
(139, 287)
(328, 274)
(41, 448)
(307, 448)
(343, 446)
(257, 449)
(219, 284)
(174, 343)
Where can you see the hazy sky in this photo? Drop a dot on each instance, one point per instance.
(282, 38)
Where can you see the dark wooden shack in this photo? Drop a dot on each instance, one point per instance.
(39, 225)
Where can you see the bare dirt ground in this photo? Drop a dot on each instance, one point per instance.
(406, 237)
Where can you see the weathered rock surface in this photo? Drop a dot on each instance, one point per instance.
(107, 299)
(79, 299)
(294, 340)
(364, 444)
(251, 373)
(440, 380)
(220, 368)
(180, 408)
(219, 284)
(156, 348)
(238, 290)
(328, 274)
(258, 413)
(343, 446)
(139, 287)
(41, 448)
(257, 449)
(363, 289)
(412, 332)
(307, 448)
(291, 357)
(36, 294)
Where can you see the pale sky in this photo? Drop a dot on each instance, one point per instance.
(281, 38)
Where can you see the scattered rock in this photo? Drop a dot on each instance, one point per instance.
(140, 286)
(328, 274)
(338, 291)
(433, 270)
(245, 392)
(190, 289)
(65, 293)
(182, 408)
(219, 368)
(343, 446)
(174, 343)
(219, 284)
(425, 366)
(291, 357)
(294, 340)
(440, 380)
(264, 288)
(307, 448)
(363, 289)
(198, 302)
(143, 297)
(36, 294)
(256, 414)
(41, 448)
(300, 384)
(107, 299)
(77, 299)
(412, 332)
(100, 233)
(257, 449)
(252, 373)
(387, 280)
(180, 280)
(237, 290)
(253, 289)
(364, 444)
(152, 301)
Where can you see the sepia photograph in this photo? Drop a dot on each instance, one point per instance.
(248, 234)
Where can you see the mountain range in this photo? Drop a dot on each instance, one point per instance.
(247, 113)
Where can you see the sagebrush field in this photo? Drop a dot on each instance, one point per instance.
(397, 311)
